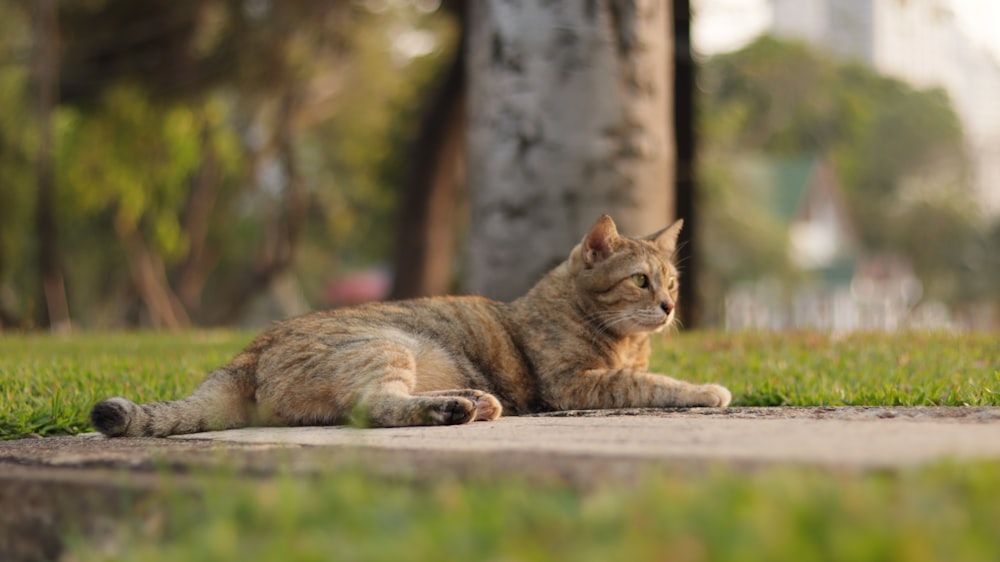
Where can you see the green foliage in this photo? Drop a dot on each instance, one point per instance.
(776, 96)
(54, 382)
(18, 145)
(248, 103)
(940, 513)
(136, 158)
(782, 98)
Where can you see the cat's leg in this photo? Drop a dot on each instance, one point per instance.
(667, 392)
(627, 388)
(393, 406)
(387, 398)
(371, 384)
(488, 408)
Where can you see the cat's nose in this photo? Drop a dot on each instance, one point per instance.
(667, 307)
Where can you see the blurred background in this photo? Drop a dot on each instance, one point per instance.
(176, 163)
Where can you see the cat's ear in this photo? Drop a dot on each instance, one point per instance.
(600, 242)
(666, 239)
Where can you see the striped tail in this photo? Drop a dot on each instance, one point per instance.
(217, 404)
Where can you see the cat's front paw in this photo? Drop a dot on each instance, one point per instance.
(714, 396)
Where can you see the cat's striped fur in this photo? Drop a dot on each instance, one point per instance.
(578, 340)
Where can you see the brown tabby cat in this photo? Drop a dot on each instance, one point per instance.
(578, 340)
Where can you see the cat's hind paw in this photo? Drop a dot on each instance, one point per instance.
(450, 411)
(488, 408)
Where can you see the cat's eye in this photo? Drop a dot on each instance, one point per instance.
(640, 280)
(672, 284)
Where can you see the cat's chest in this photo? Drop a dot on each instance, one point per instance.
(585, 353)
(632, 353)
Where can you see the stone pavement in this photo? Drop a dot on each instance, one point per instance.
(852, 437)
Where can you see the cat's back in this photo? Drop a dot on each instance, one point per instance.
(446, 318)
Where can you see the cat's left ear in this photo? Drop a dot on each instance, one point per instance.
(600, 242)
(666, 239)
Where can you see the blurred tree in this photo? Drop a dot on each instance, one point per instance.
(152, 144)
(203, 145)
(46, 80)
(18, 146)
(569, 118)
(136, 160)
(891, 146)
(427, 215)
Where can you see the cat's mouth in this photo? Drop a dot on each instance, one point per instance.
(659, 328)
(653, 322)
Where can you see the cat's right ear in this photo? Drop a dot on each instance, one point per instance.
(666, 239)
(600, 241)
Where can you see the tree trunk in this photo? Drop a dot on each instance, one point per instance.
(46, 75)
(570, 117)
(150, 281)
(425, 239)
(687, 207)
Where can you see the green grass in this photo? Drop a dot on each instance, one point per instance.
(817, 370)
(47, 385)
(946, 513)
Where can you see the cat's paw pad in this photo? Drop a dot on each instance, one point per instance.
(488, 408)
(715, 396)
(451, 411)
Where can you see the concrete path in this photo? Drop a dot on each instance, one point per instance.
(854, 437)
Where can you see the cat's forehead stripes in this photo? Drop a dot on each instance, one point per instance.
(656, 264)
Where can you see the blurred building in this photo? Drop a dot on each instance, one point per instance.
(803, 193)
(838, 288)
(917, 41)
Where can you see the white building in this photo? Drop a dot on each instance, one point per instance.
(917, 41)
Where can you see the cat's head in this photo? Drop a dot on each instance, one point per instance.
(629, 285)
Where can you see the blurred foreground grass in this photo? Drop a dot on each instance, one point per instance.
(946, 513)
(47, 385)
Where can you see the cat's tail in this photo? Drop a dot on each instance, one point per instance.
(223, 401)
